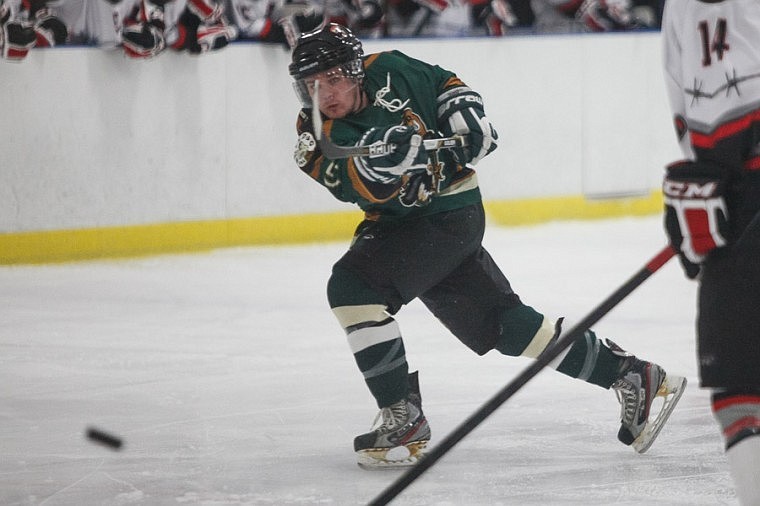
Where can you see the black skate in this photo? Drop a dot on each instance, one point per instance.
(401, 436)
(639, 384)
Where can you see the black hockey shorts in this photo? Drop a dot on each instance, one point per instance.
(440, 260)
(728, 323)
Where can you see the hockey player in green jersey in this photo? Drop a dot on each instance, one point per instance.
(421, 238)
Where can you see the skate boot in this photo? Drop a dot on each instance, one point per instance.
(637, 388)
(399, 436)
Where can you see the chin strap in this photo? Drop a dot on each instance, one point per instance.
(394, 105)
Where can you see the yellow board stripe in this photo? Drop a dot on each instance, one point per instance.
(532, 211)
(136, 240)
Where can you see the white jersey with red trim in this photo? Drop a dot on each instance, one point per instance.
(712, 69)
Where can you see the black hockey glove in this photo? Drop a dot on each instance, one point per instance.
(50, 30)
(16, 39)
(460, 112)
(418, 189)
(696, 216)
(397, 150)
(143, 32)
(143, 40)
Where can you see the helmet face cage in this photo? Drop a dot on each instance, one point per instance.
(333, 47)
(303, 86)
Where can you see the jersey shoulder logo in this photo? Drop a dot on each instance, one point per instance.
(304, 149)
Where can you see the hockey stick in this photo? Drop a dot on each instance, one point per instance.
(510, 389)
(290, 28)
(333, 151)
(285, 16)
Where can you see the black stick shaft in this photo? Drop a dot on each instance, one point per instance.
(510, 389)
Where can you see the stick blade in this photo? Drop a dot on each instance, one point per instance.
(316, 114)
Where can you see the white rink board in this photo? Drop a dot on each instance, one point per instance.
(92, 139)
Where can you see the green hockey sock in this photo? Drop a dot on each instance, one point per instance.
(590, 360)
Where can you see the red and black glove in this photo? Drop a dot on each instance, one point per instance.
(49, 29)
(696, 215)
(202, 28)
(16, 39)
(142, 36)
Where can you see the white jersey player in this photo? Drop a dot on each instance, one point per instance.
(712, 70)
(712, 63)
(145, 28)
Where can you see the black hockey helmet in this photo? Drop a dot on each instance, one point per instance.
(332, 46)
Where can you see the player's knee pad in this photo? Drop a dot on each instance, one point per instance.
(375, 341)
(352, 316)
(737, 411)
(546, 335)
(367, 325)
(376, 345)
(360, 311)
(525, 332)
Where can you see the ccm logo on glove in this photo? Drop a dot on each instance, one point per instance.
(696, 215)
(689, 190)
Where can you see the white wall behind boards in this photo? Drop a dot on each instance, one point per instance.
(92, 139)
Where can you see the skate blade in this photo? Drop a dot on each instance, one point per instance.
(391, 458)
(671, 391)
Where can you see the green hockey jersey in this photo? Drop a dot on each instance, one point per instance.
(412, 88)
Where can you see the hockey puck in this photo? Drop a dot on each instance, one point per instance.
(104, 438)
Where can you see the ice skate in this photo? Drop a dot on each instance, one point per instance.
(639, 384)
(399, 435)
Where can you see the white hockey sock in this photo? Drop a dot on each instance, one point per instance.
(744, 462)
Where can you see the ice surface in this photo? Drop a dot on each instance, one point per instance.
(231, 383)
